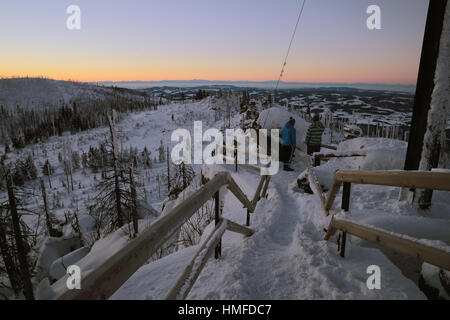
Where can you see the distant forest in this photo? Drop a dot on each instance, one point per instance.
(20, 127)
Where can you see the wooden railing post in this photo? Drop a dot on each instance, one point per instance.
(342, 244)
(316, 160)
(235, 156)
(218, 250)
(346, 196)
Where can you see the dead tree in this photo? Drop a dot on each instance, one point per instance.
(18, 236)
(48, 221)
(111, 120)
(168, 171)
(134, 214)
(7, 254)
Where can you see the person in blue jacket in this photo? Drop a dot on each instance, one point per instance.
(289, 142)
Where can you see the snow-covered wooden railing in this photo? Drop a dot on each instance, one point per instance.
(397, 242)
(235, 159)
(408, 179)
(106, 278)
(328, 147)
(190, 274)
(318, 156)
(317, 189)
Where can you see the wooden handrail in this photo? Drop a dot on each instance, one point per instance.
(257, 155)
(409, 179)
(249, 166)
(397, 242)
(107, 277)
(339, 155)
(186, 281)
(328, 147)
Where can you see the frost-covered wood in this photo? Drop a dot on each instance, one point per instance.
(190, 274)
(411, 179)
(439, 108)
(394, 241)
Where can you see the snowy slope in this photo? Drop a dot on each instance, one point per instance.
(32, 93)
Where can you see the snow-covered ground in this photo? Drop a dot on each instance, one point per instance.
(287, 257)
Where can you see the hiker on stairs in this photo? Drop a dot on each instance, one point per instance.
(289, 143)
(314, 135)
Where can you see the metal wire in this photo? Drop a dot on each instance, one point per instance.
(290, 44)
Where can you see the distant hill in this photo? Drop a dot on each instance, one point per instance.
(259, 84)
(29, 93)
(33, 109)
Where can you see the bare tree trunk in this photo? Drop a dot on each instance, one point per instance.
(159, 187)
(48, 221)
(134, 204)
(116, 169)
(11, 268)
(168, 171)
(71, 178)
(22, 256)
(49, 181)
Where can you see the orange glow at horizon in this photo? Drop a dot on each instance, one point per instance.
(108, 70)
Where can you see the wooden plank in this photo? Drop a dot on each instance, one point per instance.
(249, 166)
(186, 281)
(238, 193)
(410, 179)
(258, 192)
(266, 186)
(334, 155)
(316, 182)
(332, 193)
(328, 147)
(331, 229)
(396, 242)
(235, 227)
(346, 190)
(257, 155)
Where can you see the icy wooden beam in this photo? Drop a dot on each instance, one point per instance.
(408, 179)
(397, 242)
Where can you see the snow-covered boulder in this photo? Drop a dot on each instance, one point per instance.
(276, 118)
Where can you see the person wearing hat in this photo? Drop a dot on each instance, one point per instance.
(289, 142)
(314, 135)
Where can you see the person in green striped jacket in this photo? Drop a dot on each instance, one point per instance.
(314, 135)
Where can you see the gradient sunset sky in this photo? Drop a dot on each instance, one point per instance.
(213, 40)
